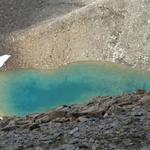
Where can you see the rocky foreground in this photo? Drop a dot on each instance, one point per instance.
(107, 123)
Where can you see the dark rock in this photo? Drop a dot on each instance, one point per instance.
(8, 128)
(34, 126)
(140, 91)
(121, 122)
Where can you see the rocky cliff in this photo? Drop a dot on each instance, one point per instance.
(103, 30)
(105, 123)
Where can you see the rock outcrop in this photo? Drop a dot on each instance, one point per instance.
(104, 30)
(105, 123)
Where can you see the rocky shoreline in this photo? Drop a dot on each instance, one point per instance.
(107, 123)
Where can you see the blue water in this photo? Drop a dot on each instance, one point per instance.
(29, 91)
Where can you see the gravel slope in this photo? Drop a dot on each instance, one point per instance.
(19, 14)
(105, 30)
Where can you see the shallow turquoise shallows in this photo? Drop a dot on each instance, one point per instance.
(29, 91)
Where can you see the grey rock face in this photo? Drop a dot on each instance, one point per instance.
(121, 122)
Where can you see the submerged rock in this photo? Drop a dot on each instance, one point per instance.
(106, 123)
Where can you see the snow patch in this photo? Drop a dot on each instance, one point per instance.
(3, 59)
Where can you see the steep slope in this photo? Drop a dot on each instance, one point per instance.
(16, 14)
(105, 30)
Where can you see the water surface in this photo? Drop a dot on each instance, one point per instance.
(29, 91)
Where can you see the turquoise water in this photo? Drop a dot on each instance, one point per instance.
(29, 91)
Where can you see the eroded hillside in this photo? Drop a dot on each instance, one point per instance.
(103, 30)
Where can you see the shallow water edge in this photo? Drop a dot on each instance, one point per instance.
(24, 92)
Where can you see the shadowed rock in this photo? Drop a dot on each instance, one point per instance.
(16, 14)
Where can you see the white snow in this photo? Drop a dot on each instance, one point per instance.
(3, 59)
